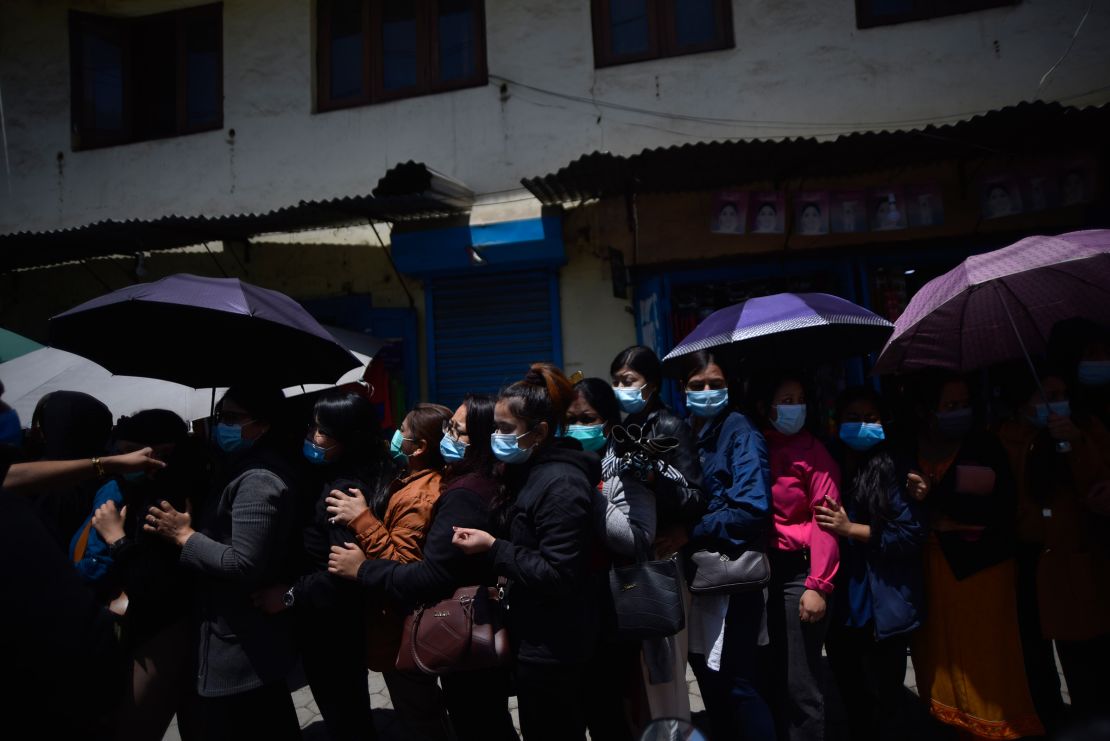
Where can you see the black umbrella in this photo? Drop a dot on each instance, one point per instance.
(203, 332)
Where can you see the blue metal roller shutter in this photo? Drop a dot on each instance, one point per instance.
(487, 329)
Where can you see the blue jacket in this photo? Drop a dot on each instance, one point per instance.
(890, 563)
(736, 475)
(96, 561)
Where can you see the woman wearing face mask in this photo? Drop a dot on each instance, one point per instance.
(155, 598)
(967, 654)
(734, 459)
(342, 447)
(879, 592)
(624, 521)
(245, 541)
(1062, 545)
(676, 481)
(477, 702)
(393, 525)
(804, 558)
(553, 623)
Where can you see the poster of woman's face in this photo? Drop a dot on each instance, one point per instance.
(924, 206)
(811, 213)
(1076, 183)
(767, 213)
(1000, 197)
(729, 212)
(1039, 191)
(848, 211)
(888, 208)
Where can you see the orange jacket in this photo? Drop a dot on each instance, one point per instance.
(1073, 572)
(400, 535)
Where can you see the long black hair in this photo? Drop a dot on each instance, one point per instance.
(350, 420)
(599, 394)
(478, 458)
(875, 473)
(641, 359)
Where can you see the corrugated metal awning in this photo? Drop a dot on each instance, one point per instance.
(1024, 129)
(407, 191)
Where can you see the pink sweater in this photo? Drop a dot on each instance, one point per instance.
(802, 475)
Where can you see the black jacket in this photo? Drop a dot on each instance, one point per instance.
(466, 503)
(675, 503)
(552, 617)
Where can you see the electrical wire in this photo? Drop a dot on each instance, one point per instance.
(1071, 43)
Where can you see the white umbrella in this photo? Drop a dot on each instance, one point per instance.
(29, 378)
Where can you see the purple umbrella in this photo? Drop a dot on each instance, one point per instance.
(1002, 306)
(785, 329)
(203, 332)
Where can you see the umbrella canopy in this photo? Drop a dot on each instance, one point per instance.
(29, 378)
(13, 345)
(785, 329)
(1002, 305)
(203, 332)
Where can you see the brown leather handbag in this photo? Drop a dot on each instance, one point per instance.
(462, 633)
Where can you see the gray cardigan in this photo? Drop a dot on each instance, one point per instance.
(242, 548)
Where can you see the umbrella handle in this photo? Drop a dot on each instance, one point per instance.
(1021, 342)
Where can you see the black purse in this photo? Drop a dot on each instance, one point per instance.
(719, 573)
(647, 597)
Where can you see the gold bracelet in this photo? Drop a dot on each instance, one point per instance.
(99, 467)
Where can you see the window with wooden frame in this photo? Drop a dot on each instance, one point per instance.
(634, 30)
(872, 13)
(372, 51)
(147, 77)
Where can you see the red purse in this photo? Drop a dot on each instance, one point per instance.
(462, 633)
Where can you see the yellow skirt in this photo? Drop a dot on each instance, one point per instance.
(967, 654)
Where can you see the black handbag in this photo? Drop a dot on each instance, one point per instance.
(719, 573)
(647, 597)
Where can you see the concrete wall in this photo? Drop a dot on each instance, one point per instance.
(800, 67)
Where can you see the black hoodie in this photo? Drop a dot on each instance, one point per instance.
(553, 616)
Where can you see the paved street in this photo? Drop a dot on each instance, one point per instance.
(389, 728)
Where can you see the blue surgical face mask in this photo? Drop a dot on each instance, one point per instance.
(631, 398)
(315, 454)
(790, 418)
(861, 436)
(395, 448)
(1041, 412)
(452, 449)
(1094, 372)
(592, 437)
(10, 431)
(230, 438)
(506, 448)
(708, 403)
(955, 424)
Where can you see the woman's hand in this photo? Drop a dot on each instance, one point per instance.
(917, 485)
(345, 561)
(167, 522)
(108, 523)
(833, 518)
(343, 507)
(269, 599)
(139, 460)
(671, 540)
(471, 541)
(811, 607)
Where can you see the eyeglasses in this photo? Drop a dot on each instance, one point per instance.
(453, 430)
(233, 418)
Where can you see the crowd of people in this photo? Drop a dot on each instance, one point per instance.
(156, 572)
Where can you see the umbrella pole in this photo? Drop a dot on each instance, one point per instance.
(1021, 343)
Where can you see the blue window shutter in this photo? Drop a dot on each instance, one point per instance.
(486, 330)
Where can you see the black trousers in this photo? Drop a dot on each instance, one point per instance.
(478, 705)
(1085, 669)
(1040, 663)
(552, 701)
(334, 659)
(870, 675)
(263, 713)
(612, 678)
